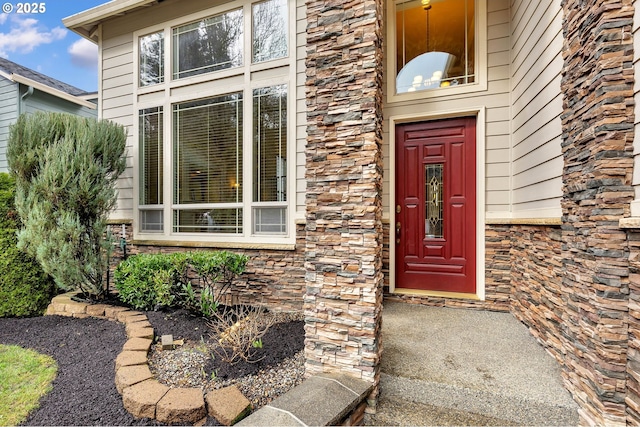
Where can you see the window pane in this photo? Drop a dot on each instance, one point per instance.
(208, 162)
(208, 221)
(434, 44)
(269, 36)
(151, 59)
(151, 220)
(209, 45)
(434, 206)
(270, 144)
(270, 220)
(151, 157)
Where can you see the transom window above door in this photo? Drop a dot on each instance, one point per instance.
(435, 44)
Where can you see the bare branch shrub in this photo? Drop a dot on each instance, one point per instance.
(239, 330)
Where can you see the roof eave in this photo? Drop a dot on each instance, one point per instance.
(17, 78)
(85, 23)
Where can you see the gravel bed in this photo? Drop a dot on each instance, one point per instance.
(194, 364)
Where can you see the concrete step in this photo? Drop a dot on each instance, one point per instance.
(405, 402)
(466, 367)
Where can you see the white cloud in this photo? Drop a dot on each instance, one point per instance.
(84, 54)
(3, 18)
(25, 35)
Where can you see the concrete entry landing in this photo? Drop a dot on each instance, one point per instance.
(443, 366)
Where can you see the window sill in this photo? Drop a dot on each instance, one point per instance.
(220, 245)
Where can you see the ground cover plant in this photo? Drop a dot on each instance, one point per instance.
(25, 376)
(66, 169)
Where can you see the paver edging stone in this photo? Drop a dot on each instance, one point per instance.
(181, 405)
(141, 399)
(131, 378)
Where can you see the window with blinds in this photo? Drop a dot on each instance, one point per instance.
(151, 168)
(207, 156)
(270, 158)
(219, 171)
(208, 45)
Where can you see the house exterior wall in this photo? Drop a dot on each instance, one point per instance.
(492, 95)
(635, 205)
(343, 250)
(8, 115)
(558, 137)
(536, 107)
(118, 75)
(44, 102)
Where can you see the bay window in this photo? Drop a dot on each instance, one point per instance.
(217, 164)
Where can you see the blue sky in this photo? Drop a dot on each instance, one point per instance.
(41, 42)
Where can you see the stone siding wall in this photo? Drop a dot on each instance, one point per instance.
(343, 251)
(537, 299)
(632, 398)
(597, 145)
(273, 277)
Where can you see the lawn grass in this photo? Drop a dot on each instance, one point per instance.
(25, 376)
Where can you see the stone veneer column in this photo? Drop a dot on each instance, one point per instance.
(597, 144)
(343, 257)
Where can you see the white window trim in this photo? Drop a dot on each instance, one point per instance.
(204, 86)
(481, 73)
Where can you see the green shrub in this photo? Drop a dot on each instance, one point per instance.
(150, 281)
(66, 169)
(145, 281)
(25, 290)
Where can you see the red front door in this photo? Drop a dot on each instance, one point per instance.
(435, 230)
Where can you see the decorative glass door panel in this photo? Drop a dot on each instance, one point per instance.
(434, 207)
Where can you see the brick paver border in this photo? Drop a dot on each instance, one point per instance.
(140, 391)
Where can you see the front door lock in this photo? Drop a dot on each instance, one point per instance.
(398, 227)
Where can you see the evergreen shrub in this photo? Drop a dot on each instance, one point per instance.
(66, 169)
(25, 290)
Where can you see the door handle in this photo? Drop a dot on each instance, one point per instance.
(398, 227)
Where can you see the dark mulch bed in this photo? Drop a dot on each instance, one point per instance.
(285, 339)
(84, 392)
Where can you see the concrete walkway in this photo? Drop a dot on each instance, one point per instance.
(443, 366)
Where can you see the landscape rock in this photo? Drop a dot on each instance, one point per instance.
(127, 376)
(136, 325)
(112, 311)
(181, 406)
(141, 333)
(227, 405)
(141, 399)
(96, 310)
(131, 358)
(137, 344)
